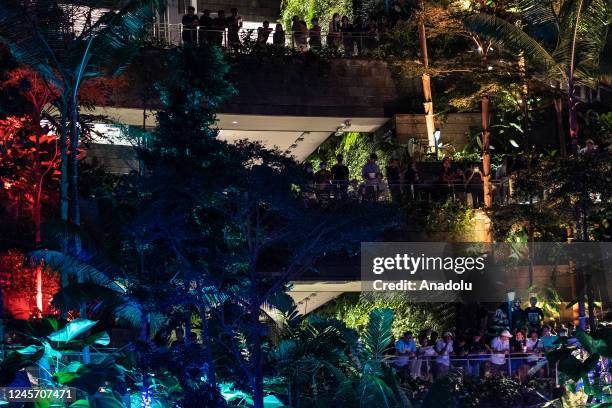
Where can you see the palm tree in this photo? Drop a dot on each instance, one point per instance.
(43, 36)
(580, 28)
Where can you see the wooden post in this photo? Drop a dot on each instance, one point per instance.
(428, 104)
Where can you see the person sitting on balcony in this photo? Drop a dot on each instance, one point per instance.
(234, 24)
(346, 30)
(219, 25)
(333, 34)
(323, 180)
(190, 25)
(278, 38)
(263, 32)
(340, 177)
(393, 179)
(314, 34)
(370, 173)
(206, 23)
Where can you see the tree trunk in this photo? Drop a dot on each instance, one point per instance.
(486, 156)
(558, 103)
(257, 380)
(74, 163)
(428, 104)
(573, 117)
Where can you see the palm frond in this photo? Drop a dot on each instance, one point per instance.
(511, 37)
(378, 334)
(70, 266)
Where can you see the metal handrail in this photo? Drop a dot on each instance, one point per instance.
(178, 34)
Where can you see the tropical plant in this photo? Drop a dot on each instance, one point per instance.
(48, 39)
(51, 339)
(354, 310)
(340, 370)
(573, 58)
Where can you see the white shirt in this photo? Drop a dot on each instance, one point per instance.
(443, 351)
(499, 346)
(535, 346)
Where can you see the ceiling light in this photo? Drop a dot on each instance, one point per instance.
(234, 122)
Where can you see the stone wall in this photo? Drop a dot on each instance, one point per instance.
(296, 86)
(339, 87)
(453, 127)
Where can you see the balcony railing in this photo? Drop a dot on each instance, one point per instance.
(381, 190)
(350, 43)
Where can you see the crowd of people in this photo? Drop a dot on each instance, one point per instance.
(399, 183)
(352, 36)
(503, 350)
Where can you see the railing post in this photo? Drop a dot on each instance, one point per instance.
(509, 365)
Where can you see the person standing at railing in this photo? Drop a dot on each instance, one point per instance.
(500, 346)
(333, 33)
(475, 185)
(234, 24)
(534, 347)
(370, 173)
(340, 177)
(323, 181)
(206, 25)
(548, 339)
(443, 348)
(405, 350)
(314, 34)
(371, 32)
(219, 25)
(190, 23)
(278, 38)
(419, 368)
(393, 179)
(263, 33)
(477, 351)
(346, 30)
(299, 33)
(534, 314)
(518, 347)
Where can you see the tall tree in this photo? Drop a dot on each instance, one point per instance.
(573, 58)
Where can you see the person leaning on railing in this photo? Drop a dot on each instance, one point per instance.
(263, 33)
(314, 34)
(333, 33)
(500, 347)
(190, 23)
(218, 26)
(206, 25)
(340, 178)
(278, 38)
(346, 31)
(234, 24)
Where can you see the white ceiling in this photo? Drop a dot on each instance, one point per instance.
(273, 131)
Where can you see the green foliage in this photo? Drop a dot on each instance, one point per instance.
(354, 310)
(356, 148)
(321, 9)
(456, 390)
(450, 216)
(377, 336)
